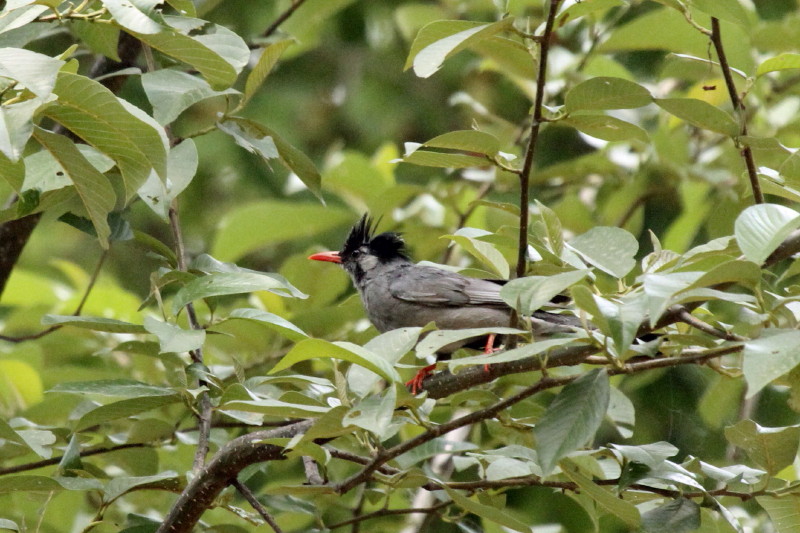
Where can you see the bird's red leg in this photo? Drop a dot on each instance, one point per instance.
(488, 349)
(416, 382)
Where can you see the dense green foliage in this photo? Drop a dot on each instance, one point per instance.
(168, 353)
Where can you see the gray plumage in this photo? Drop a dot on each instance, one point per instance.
(397, 293)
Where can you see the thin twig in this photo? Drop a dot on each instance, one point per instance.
(312, 471)
(245, 491)
(282, 18)
(705, 327)
(738, 107)
(390, 512)
(77, 312)
(55, 460)
(536, 122)
(204, 414)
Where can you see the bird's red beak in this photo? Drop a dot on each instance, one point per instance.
(331, 257)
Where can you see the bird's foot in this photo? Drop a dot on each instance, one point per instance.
(490, 349)
(416, 382)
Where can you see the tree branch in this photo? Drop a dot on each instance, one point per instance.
(248, 495)
(738, 107)
(536, 122)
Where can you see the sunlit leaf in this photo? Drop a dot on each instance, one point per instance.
(612, 250)
(606, 93)
(700, 114)
(233, 283)
(759, 229)
(769, 357)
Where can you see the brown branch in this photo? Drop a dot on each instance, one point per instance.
(221, 470)
(686, 316)
(55, 460)
(390, 512)
(738, 107)
(536, 122)
(248, 495)
(203, 400)
(282, 18)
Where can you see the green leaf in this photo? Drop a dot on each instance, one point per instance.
(233, 283)
(320, 349)
(769, 357)
(436, 340)
(681, 515)
(610, 249)
(214, 68)
(700, 114)
(523, 352)
(532, 292)
(486, 253)
(606, 93)
(778, 63)
(759, 229)
(252, 141)
(374, 413)
(581, 9)
(269, 57)
(12, 172)
(391, 346)
(772, 449)
(36, 72)
(29, 483)
(118, 486)
(93, 188)
(128, 15)
(250, 227)
(269, 407)
(426, 158)
(606, 128)
(441, 39)
(624, 510)
(784, 511)
(100, 38)
(572, 419)
(259, 139)
(173, 338)
(171, 92)
(126, 388)
(493, 514)
(182, 162)
(468, 141)
(124, 409)
(94, 323)
(94, 114)
(16, 127)
(270, 320)
(730, 11)
(510, 57)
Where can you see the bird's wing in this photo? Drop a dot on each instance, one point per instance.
(438, 288)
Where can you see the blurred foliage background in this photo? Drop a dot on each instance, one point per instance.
(341, 94)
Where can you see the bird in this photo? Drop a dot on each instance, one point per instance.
(397, 293)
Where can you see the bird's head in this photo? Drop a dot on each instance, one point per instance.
(363, 251)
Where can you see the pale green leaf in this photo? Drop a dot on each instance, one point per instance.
(677, 516)
(320, 349)
(485, 252)
(269, 407)
(523, 352)
(427, 158)
(171, 92)
(173, 338)
(269, 57)
(727, 10)
(624, 510)
(782, 62)
(769, 357)
(182, 162)
(441, 39)
(93, 188)
(438, 339)
(94, 323)
(701, 114)
(34, 71)
(759, 229)
(532, 292)
(610, 249)
(572, 419)
(233, 283)
(606, 93)
(93, 113)
(772, 449)
(126, 388)
(16, 127)
(493, 514)
(124, 409)
(468, 141)
(606, 128)
(270, 320)
(784, 511)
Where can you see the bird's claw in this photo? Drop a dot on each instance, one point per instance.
(416, 382)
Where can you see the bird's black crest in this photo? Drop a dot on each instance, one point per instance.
(385, 246)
